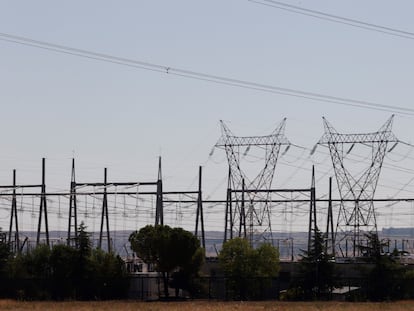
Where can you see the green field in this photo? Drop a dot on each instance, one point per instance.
(205, 305)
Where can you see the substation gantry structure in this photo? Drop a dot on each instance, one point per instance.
(356, 215)
(159, 194)
(105, 190)
(254, 220)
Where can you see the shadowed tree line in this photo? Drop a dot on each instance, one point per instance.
(381, 276)
(388, 279)
(318, 276)
(84, 273)
(63, 272)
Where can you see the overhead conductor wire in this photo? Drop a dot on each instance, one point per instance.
(206, 77)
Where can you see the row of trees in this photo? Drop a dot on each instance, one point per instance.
(63, 272)
(382, 276)
(82, 272)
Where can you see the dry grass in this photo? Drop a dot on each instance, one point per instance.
(205, 306)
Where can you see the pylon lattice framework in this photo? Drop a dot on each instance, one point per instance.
(258, 214)
(355, 216)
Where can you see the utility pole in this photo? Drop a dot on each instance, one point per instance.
(228, 217)
(73, 214)
(104, 215)
(329, 223)
(199, 214)
(313, 227)
(159, 208)
(242, 225)
(13, 216)
(43, 207)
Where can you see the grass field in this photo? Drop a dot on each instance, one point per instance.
(205, 306)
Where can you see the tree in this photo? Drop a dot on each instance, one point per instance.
(38, 262)
(84, 243)
(246, 267)
(107, 276)
(31, 273)
(169, 250)
(317, 270)
(189, 257)
(84, 266)
(5, 255)
(236, 258)
(97, 273)
(267, 260)
(63, 262)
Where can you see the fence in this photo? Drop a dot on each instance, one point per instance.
(217, 288)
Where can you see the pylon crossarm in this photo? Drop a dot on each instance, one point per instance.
(370, 138)
(240, 141)
(228, 139)
(331, 136)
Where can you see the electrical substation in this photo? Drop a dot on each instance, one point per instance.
(347, 207)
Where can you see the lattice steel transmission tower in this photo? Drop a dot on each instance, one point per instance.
(356, 213)
(254, 220)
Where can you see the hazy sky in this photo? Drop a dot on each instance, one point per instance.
(55, 105)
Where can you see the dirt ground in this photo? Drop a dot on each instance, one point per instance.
(205, 306)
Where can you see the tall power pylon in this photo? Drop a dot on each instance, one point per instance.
(356, 213)
(254, 220)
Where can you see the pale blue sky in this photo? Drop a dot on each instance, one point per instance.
(123, 118)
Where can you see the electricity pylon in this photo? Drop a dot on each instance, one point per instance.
(356, 214)
(257, 214)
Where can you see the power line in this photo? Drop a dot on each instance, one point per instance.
(319, 97)
(336, 18)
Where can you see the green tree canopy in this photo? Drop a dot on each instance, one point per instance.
(236, 258)
(38, 261)
(267, 260)
(169, 250)
(69, 272)
(63, 260)
(83, 242)
(245, 267)
(5, 255)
